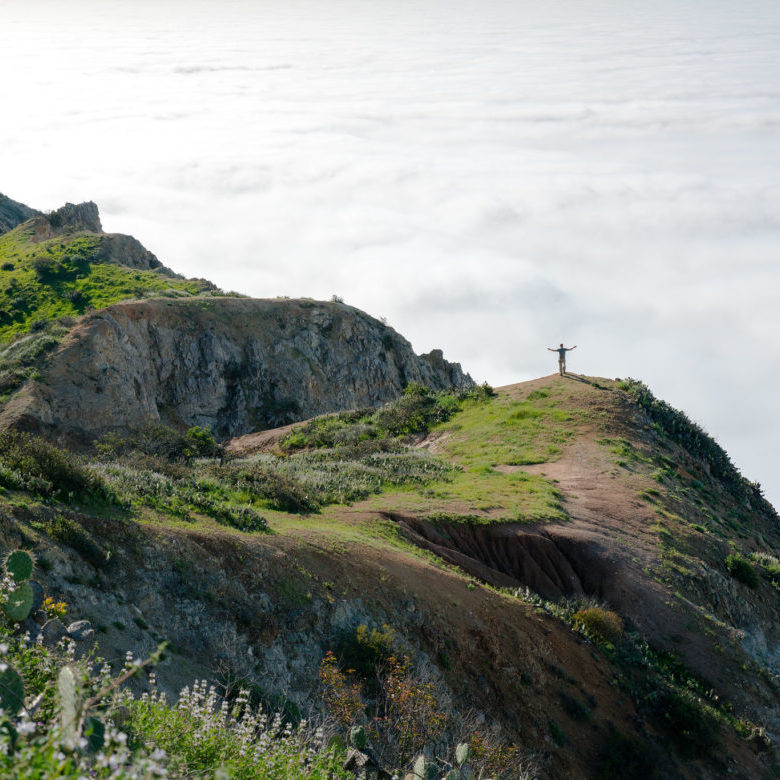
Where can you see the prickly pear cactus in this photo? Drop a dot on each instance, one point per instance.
(68, 697)
(11, 691)
(462, 753)
(19, 564)
(453, 774)
(357, 737)
(19, 602)
(423, 770)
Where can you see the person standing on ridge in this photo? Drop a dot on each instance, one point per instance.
(562, 356)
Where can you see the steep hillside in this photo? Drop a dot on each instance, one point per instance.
(233, 365)
(13, 213)
(574, 568)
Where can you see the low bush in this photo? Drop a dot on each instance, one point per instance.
(601, 625)
(68, 531)
(31, 463)
(742, 569)
(161, 441)
(769, 563)
(622, 756)
(693, 725)
(283, 491)
(365, 650)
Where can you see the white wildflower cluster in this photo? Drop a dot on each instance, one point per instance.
(254, 737)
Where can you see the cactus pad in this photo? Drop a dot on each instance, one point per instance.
(19, 603)
(462, 753)
(19, 564)
(11, 691)
(357, 737)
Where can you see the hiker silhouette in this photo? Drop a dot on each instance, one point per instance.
(561, 350)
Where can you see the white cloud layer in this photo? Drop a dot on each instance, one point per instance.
(494, 176)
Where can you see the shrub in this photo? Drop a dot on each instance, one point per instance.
(601, 625)
(46, 267)
(76, 297)
(622, 756)
(742, 569)
(283, 492)
(693, 725)
(161, 441)
(365, 650)
(415, 411)
(769, 563)
(47, 470)
(7, 266)
(410, 710)
(68, 531)
(342, 697)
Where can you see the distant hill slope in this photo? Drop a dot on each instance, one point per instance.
(13, 213)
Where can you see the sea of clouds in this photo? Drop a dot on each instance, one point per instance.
(493, 176)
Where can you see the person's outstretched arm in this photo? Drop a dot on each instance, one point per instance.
(551, 350)
(571, 348)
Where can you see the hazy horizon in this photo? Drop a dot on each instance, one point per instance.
(492, 177)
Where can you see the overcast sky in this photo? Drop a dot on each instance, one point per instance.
(493, 176)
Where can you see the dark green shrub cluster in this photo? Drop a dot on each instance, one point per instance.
(365, 649)
(28, 462)
(331, 430)
(693, 726)
(283, 491)
(416, 411)
(740, 568)
(161, 441)
(622, 757)
(68, 531)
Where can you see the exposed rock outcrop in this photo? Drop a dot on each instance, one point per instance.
(114, 248)
(13, 213)
(233, 364)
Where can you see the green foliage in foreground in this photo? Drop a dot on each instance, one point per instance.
(67, 727)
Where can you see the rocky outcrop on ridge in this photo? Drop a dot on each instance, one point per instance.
(235, 365)
(115, 248)
(13, 213)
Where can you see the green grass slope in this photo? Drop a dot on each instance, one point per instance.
(65, 276)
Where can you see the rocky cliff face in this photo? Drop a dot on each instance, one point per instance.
(13, 213)
(235, 365)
